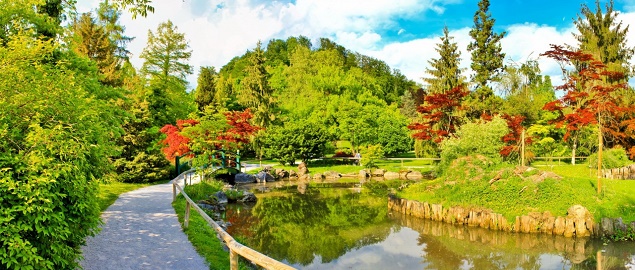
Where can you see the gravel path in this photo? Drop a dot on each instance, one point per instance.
(141, 231)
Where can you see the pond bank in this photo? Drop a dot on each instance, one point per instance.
(578, 222)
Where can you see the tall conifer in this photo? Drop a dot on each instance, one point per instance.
(444, 71)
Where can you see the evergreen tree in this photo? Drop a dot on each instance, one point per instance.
(91, 40)
(445, 72)
(206, 88)
(255, 91)
(167, 53)
(166, 66)
(108, 16)
(487, 59)
(603, 37)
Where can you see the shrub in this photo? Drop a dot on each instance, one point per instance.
(370, 155)
(475, 138)
(611, 158)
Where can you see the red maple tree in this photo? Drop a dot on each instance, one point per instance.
(239, 129)
(439, 115)
(514, 137)
(592, 97)
(176, 144)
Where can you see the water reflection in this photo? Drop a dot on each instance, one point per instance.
(319, 226)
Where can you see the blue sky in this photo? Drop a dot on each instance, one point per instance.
(403, 33)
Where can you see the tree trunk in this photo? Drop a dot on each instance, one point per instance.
(575, 146)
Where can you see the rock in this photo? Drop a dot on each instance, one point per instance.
(619, 226)
(267, 168)
(403, 174)
(349, 175)
(378, 172)
(248, 197)
(363, 174)
(219, 197)
(281, 174)
(211, 207)
(293, 174)
(302, 169)
(304, 177)
(582, 219)
(569, 228)
(264, 176)
(391, 175)
(332, 175)
(318, 177)
(245, 178)
(415, 175)
(559, 226)
(607, 227)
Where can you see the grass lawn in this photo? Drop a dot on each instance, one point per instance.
(200, 234)
(109, 192)
(321, 166)
(513, 196)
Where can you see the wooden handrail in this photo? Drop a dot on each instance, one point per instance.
(235, 248)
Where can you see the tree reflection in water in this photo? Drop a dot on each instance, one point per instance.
(328, 224)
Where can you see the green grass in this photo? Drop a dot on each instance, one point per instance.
(513, 196)
(200, 234)
(321, 166)
(109, 192)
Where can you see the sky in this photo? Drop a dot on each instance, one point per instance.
(403, 33)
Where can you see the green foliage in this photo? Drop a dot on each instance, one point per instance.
(255, 91)
(487, 60)
(445, 71)
(200, 234)
(56, 135)
(370, 155)
(611, 158)
(474, 138)
(206, 88)
(295, 140)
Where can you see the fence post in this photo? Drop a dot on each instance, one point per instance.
(186, 222)
(174, 191)
(233, 260)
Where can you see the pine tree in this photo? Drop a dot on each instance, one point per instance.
(206, 88)
(487, 59)
(445, 71)
(603, 37)
(167, 53)
(91, 40)
(255, 91)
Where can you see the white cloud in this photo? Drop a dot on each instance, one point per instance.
(219, 30)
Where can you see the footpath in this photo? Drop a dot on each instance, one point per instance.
(141, 231)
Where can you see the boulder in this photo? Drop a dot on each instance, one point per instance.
(244, 178)
(281, 174)
(403, 174)
(318, 177)
(293, 174)
(302, 169)
(582, 219)
(607, 227)
(332, 175)
(264, 176)
(219, 197)
(377, 172)
(363, 174)
(267, 168)
(559, 226)
(391, 175)
(248, 197)
(415, 175)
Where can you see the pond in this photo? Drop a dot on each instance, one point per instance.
(348, 226)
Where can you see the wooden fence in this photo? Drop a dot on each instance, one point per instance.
(235, 249)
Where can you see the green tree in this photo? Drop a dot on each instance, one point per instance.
(487, 60)
(255, 91)
(165, 65)
(166, 53)
(602, 36)
(295, 140)
(525, 91)
(91, 40)
(445, 72)
(206, 88)
(55, 141)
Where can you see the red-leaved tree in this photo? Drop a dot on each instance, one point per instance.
(513, 139)
(592, 97)
(440, 115)
(175, 144)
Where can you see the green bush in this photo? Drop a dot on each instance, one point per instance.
(301, 140)
(370, 155)
(475, 138)
(611, 158)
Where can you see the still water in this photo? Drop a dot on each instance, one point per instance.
(348, 226)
